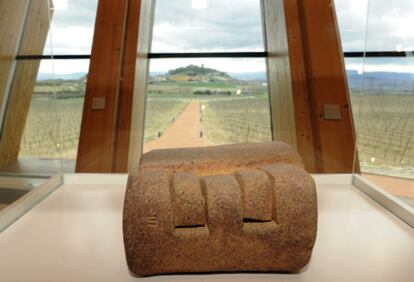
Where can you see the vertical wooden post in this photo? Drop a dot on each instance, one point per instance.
(129, 61)
(99, 123)
(105, 144)
(138, 103)
(319, 79)
(283, 114)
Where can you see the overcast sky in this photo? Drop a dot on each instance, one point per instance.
(228, 25)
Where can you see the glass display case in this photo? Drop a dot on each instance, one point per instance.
(380, 71)
(88, 87)
(44, 64)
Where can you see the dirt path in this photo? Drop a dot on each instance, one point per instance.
(183, 133)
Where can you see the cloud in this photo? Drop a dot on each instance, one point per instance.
(221, 26)
(376, 25)
(78, 12)
(228, 25)
(72, 27)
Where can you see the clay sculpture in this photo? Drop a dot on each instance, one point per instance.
(245, 207)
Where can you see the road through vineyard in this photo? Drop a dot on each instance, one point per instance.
(184, 132)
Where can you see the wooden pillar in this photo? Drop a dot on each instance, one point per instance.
(319, 79)
(105, 144)
(21, 76)
(12, 18)
(99, 123)
(141, 71)
(126, 94)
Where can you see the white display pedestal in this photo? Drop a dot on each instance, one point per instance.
(76, 235)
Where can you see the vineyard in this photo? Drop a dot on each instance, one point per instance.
(51, 122)
(238, 120)
(385, 133)
(384, 123)
(57, 121)
(160, 114)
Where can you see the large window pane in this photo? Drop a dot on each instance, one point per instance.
(376, 25)
(207, 26)
(382, 91)
(352, 20)
(57, 103)
(383, 107)
(390, 25)
(201, 102)
(71, 27)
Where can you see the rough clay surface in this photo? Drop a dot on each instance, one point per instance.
(249, 207)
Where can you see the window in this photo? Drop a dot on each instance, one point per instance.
(208, 75)
(55, 113)
(378, 48)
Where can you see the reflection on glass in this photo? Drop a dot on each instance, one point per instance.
(207, 26)
(57, 103)
(376, 25)
(382, 90)
(352, 19)
(205, 102)
(72, 26)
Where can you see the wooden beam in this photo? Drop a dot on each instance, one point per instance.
(280, 85)
(32, 41)
(126, 94)
(319, 79)
(12, 19)
(140, 86)
(99, 123)
(304, 129)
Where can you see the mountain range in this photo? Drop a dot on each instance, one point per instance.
(369, 80)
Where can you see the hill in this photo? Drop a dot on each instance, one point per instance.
(383, 82)
(194, 73)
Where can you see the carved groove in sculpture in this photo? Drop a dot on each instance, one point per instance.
(248, 207)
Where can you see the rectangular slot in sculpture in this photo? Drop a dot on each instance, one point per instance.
(246, 207)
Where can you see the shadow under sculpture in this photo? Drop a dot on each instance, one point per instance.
(246, 207)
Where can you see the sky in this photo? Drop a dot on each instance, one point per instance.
(220, 25)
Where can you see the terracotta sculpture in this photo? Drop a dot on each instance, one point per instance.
(248, 207)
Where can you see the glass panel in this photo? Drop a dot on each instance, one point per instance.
(201, 102)
(382, 92)
(352, 20)
(72, 26)
(57, 103)
(28, 181)
(383, 106)
(390, 25)
(207, 26)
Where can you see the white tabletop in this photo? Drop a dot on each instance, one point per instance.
(75, 235)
